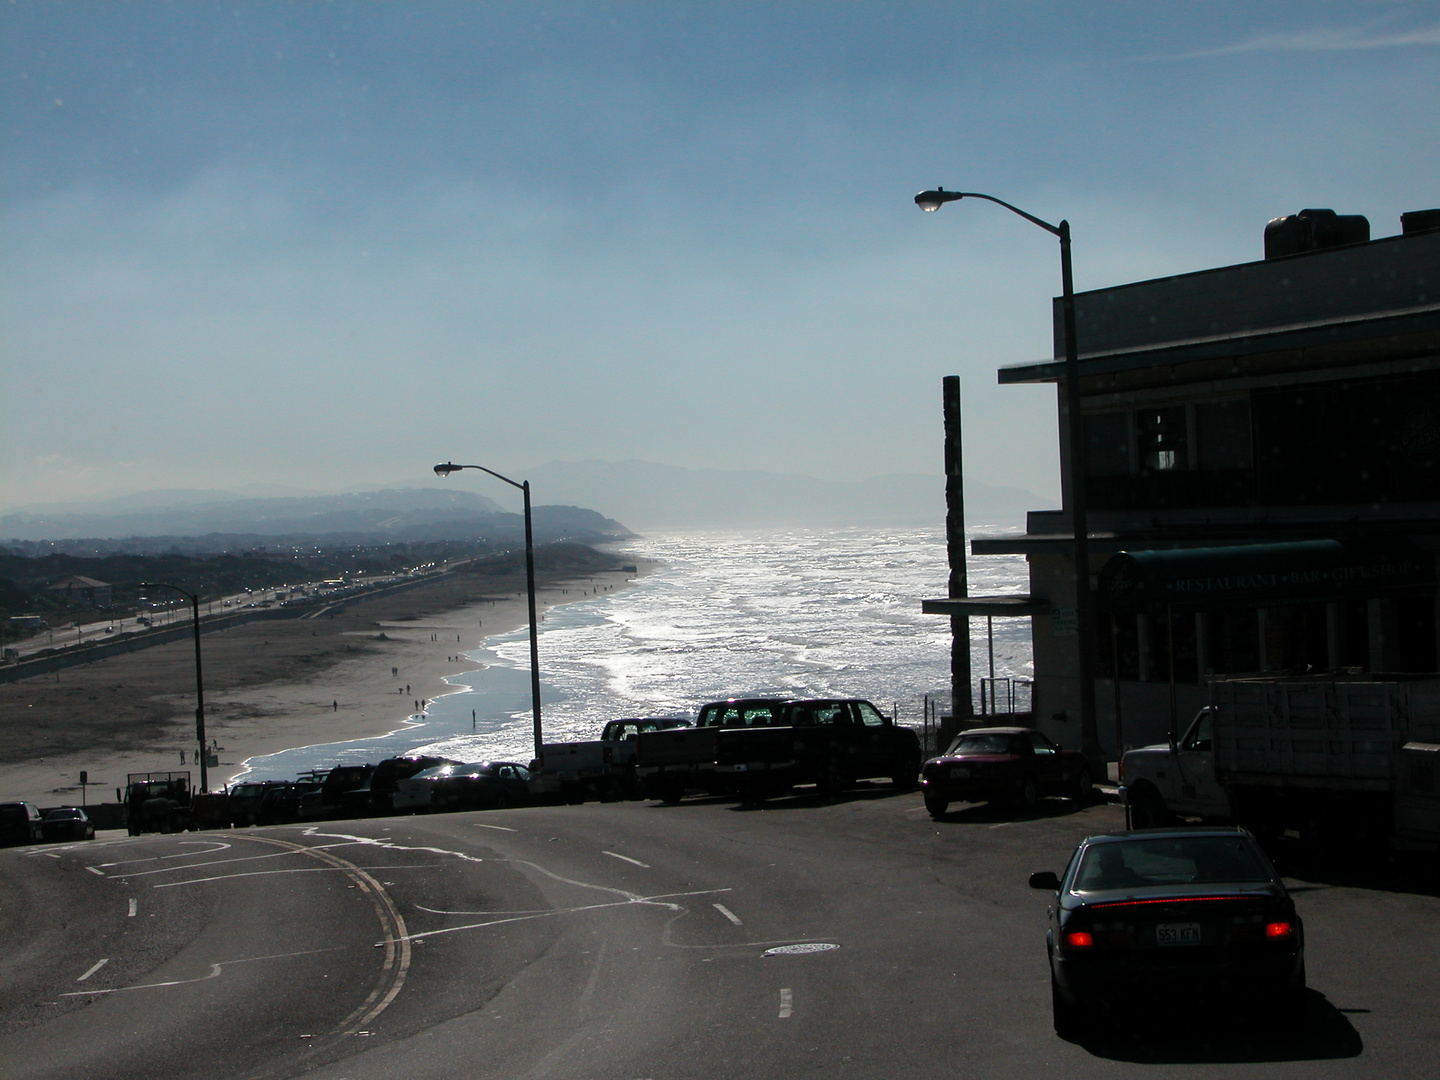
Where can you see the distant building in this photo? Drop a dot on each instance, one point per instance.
(82, 592)
(1262, 474)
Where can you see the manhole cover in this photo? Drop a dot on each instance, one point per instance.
(798, 950)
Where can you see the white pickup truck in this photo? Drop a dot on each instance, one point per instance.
(1329, 757)
(602, 769)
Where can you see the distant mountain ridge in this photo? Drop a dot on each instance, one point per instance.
(235, 521)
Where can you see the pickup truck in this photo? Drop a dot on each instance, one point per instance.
(755, 747)
(1347, 763)
(603, 768)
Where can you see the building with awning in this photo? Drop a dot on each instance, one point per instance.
(1262, 473)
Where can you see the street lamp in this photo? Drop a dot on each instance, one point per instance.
(1084, 609)
(199, 683)
(450, 467)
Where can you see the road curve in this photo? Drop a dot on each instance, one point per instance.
(850, 937)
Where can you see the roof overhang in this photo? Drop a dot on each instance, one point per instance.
(1409, 332)
(1003, 606)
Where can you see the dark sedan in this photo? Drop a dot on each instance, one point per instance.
(483, 785)
(67, 823)
(1185, 917)
(1003, 764)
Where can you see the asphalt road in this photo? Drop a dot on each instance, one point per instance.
(638, 940)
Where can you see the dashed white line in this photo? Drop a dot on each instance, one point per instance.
(134, 907)
(502, 828)
(723, 910)
(96, 870)
(786, 1003)
(98, 965)
(626, 858)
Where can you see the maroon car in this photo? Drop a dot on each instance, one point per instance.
(1003, 764)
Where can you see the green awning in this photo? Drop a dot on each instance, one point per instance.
(1251, 574)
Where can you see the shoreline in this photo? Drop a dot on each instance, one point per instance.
(261, 699)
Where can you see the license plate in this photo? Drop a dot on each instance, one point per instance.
(740, 768)
(1186, 933)
(960, 773)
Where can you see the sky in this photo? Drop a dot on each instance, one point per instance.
(321, 246)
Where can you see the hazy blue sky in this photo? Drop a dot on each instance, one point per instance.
(328, 244)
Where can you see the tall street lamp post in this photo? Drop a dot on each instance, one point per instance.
(1084, 607)
(199, 682)
(450, 467)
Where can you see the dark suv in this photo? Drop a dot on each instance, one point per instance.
(19, 824)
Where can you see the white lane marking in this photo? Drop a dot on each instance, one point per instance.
(502, 828)
(1003, 825)
(723, 910)
(627, 858)
(211, 846)
(256, 873)
(786, 1002)
(215, 972)
(96, 870)
(134, 907)
(499, 918)
(98, 965)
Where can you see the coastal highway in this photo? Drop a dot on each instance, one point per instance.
(808, 937)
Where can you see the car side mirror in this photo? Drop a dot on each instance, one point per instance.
(1045, 879)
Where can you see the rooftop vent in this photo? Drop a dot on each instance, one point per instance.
(1417, 221)
(1311, 230)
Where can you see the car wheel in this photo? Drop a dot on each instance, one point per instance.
(833, 778)
(907, 775)
(936, 805)
(1027, 796)
(1147, 811)
(1084, 789)
(1069, 1020)
(672, 792)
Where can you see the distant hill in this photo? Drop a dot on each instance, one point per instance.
(216, 521)
(655, 497)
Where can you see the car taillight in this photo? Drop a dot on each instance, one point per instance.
(1079, 939)
(1279, 931)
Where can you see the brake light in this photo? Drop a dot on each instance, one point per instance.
(1278, 931)
(1079, 939)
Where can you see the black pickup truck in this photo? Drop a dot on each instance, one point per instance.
(756, 747)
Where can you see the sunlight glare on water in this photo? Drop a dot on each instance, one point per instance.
(798, 613)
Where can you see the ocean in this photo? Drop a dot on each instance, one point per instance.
(798, 613)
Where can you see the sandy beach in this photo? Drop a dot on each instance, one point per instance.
(270, 685)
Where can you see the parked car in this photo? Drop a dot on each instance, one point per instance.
(67, 823)
(1193, 916)
(486, 785)
(248, 798)
(388, 774)
(1003, 764)
(20, 823)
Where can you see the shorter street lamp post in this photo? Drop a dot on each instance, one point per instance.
(445, 470)
(199, 684)
(1084, 615)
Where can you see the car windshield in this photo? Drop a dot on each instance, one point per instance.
(1190, 860)
(982, 744)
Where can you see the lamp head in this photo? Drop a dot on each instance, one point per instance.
(930, 201)
(446, 469)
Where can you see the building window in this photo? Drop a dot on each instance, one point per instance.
(1107, 444)
(1222, 435)
(1162, 438)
